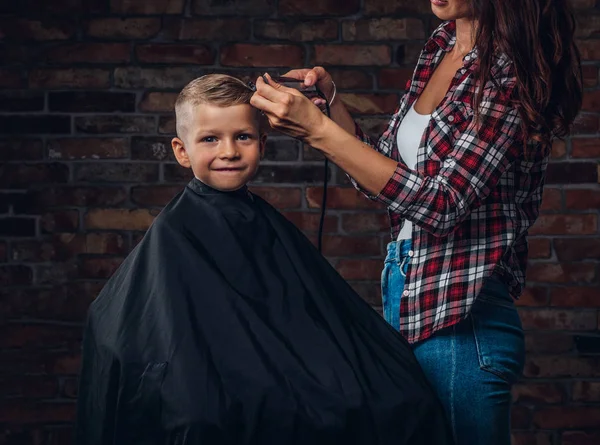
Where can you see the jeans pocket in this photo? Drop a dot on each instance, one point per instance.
(499, 339)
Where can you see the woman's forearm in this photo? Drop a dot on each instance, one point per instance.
(369, 168)
(341, 116)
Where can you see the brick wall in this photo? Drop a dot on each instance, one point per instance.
(87, 89)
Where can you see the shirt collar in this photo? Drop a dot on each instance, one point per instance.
(444, 38)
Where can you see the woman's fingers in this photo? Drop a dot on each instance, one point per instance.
(275, 92)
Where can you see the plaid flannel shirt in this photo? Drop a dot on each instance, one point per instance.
(472, 196)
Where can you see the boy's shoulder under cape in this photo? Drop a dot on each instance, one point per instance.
(225, 326)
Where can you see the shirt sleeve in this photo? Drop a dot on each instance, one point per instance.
(479, 157)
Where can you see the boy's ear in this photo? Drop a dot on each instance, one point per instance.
(263, 144)
(180, 153)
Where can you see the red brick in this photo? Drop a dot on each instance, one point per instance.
(370, 103)
(209, 29)
(32, 251)
(157, 195)
(168, 78)
(68, 245)
(158, 101)
(70, 388)
(38, 336)
(324, 7)
(525, 438)
(339, 198)
(539, 248)
(39, 30)
(42, 387)
(11, 78)
(586, 123)
(559, 149)
(164, 53)
(368, 291)
(152, 149)
(533, 296)
(60, 221)
(520, 417)
(66, 363)
(119, 219)
(338, 246)
(576, 249)
(589, 49)
(15, 275)
(69, 78)
(351, 79)
(280, 197)
(548, 343)
(352, 55)
(3, 252)
(383, 29)
(147, 6)
(386, 7)
(21, 411)
(238, 7)
(562, 367)
(539, 393)
(585, 148)
(556, 319)
(363, 269)
(123, 28)
(309, 221)
(583, 199)
(26, 175)
(167, 125)
(580, 438)
(99, 267)
(116, 172)
(21, 150)
(115, 124)
(365, 222)
(91, 101)
(394, 78)
(253, 55)
(88, 148)
(552, 199)
(20, 124)
(582, 4)
(89, 53)
(303, 31)
(562, 273)
(575, 296)
(80, 196)
(588, 25)
(57, 273)
(591, 101)
(567, 417)
(590, 75)
(572, 173)
(586, 391)
(565, 224)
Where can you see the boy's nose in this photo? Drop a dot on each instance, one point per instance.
(228, 150)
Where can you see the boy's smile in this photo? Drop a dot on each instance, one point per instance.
(222, 145)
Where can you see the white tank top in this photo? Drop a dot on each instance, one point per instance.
(408, 138)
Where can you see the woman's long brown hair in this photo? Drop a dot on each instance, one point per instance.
(538, 36)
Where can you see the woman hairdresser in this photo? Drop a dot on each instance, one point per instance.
(461, 169)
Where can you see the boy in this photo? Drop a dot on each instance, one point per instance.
(225, 326)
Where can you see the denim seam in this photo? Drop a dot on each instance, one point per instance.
(481, 359)
(452, 379)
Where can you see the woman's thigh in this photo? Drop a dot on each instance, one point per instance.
(472, 367)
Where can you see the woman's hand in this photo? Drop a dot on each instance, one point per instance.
(288, 110)
(316, 75)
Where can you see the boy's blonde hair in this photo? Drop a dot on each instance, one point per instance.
(220, 90)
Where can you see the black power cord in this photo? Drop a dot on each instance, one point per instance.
(309, 92)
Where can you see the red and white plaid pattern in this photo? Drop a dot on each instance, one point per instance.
(472, 197)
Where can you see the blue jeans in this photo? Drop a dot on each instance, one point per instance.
(471, 365)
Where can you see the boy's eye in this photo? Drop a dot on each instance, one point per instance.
(209, 139)
(245, 136)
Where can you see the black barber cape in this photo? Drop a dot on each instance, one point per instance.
(225, 326)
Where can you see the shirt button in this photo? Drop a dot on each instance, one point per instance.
(450, 118)
(411, 253)
(406, 293)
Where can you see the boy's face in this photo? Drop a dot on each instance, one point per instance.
(222, 145)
